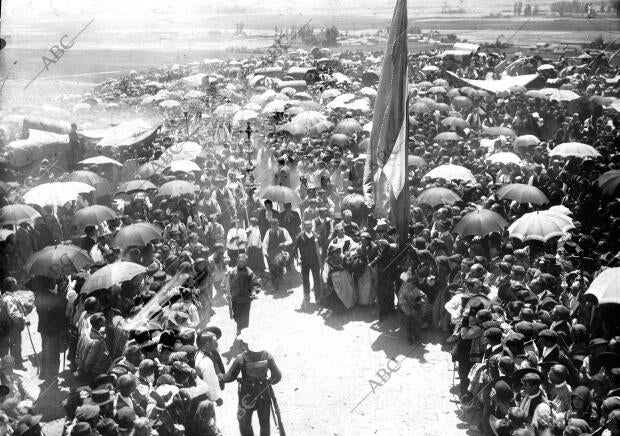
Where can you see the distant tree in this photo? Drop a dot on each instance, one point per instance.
(536, 11)
(451, 38)
(527, 11)
(615, 4)
(331, 37)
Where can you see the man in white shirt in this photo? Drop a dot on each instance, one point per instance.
(236, 242)
(205, 369)
(100, 249)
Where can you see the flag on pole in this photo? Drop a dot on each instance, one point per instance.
(385, 172)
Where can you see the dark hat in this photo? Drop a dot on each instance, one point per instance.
(4, 390)
(125, 418)
(598, 342)
(548, 334)
(365, 235)
(167, 338)
(503, 391)
(514, 337)
(606, 360)
(215, 330)
(141, 336)
(101, 380)
(548, 303)
(81, 429)
(107, 426)
(527, 375)
(159, 276)
(148, 346)
(494, 333)
(100, 397)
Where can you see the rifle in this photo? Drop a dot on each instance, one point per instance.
(275, 409)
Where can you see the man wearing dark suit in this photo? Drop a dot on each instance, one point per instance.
(90, 239)
(265, 216)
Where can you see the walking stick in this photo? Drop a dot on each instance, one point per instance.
(34, 349)
(276, 412)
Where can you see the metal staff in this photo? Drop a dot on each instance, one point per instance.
(275, 409)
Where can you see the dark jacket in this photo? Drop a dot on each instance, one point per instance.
(243, 285)
(94, 355)
(51, 311)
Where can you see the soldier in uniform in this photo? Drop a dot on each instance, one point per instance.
(259, 372)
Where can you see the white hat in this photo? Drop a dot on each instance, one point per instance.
(252, 338)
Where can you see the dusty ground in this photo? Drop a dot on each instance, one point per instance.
(328, 361)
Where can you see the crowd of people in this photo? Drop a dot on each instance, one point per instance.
(534, 353)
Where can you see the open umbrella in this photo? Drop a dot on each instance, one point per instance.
(447, 136)
(420, 108)
(455, 122)
(442, 107)
(499, 131)
(540, 226)
(505, 158)
(93, 216)
(320, 127)
(308, 119)
(609, 181)
(111, 275)
(525, 141)
(348, 126)
(436, 196)
(577, 149)
(101, 185)
(280, 194)
(100, 160)
(480, 222)
(437, 90)
(535, 93)
(169, 104)
(564, 95)
(522, 193)
(293, 128)
(415, 161)
(339, 139)
(451, 172)
(302, 96)
(441, 82)
(177, 188)
(181, 151)
(369, 92)
(18, 213)
(151, 168)
(606, 286)
(57, 193)
(136, 235)
(330, 93)
(461, 101)
(135, 185)
(560, 208)
(184, 166)
(57, 261)
(243, 116)
(423, 85)
(227, 109)
(274, 106)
